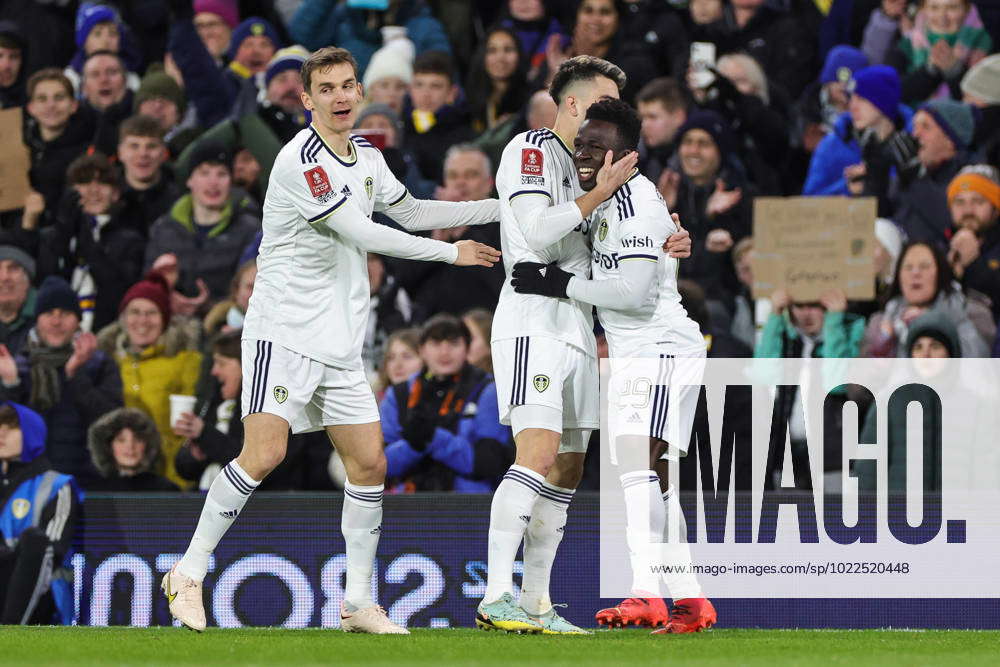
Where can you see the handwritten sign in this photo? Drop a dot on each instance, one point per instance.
(809, 245)
(15, 163)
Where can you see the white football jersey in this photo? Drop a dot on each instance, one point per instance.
(538, 164)
(632, 226)
(311, 294)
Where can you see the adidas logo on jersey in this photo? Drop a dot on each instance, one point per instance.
(375, 531)
(231, 514)
(566, 183)
(525, 518)
(346, 191)
(634, 419)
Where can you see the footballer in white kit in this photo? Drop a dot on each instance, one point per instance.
(657, 361)
(303, 333)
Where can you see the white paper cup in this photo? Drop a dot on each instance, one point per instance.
(180, 403)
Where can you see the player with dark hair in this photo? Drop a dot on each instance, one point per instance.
(657, 355)
(544, 353)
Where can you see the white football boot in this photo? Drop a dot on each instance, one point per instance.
(185, 599)
(372, 620)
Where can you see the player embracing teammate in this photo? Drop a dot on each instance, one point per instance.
(657, 362)
(543, 348)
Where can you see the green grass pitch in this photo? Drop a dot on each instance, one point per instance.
(473, 648)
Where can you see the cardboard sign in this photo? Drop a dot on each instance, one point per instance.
(16, 161)
(809, 245)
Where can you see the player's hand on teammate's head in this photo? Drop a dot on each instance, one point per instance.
(543, 279)
(612, 175)
(473, 253)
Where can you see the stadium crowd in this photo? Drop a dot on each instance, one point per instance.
(152, 128)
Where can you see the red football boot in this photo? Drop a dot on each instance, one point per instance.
(638, 612)
(689, 615)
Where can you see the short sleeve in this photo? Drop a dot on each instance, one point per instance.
(644, 227)
(525, 169)
(388, 190)
(310, 190)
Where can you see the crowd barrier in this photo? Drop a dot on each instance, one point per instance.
(282, 564)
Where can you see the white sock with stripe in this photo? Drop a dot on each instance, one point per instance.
(643, 528)
(510, 514)
(541, 541)
(229, 492)
(361, 524)
(677, 553)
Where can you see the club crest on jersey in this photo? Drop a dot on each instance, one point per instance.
(319, 184)
(369, 187)
(602, 231)
(20, 508)
(531, 162)
(280, 394)
(541, 383)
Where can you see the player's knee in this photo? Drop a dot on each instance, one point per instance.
(541, 460)
(258, 462)
(366, 470)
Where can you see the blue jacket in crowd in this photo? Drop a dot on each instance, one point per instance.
(838, 150)
(471, 452)
(43, 504)
(319, 23)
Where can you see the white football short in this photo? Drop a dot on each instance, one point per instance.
(654, 396)
(536, 370)
(306, 393)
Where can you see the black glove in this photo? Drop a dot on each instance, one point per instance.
(528, 278)
(419, 428)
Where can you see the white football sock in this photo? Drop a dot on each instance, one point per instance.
(229, 492)
(541, 541)
(361, 524)
(643, 528)
(676, 552)
(510, 514)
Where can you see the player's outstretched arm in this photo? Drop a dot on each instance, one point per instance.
(418, 215)
(353, 225)
(626, 292)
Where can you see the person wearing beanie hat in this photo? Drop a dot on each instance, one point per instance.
(227, 10)
(61, 374)
(889, 243)
(827, 97)
(388, 75)
(711, 197)
(17, 298)
(981, 84)
(288, 58)
(956, 119)
(878, 85)
(933, 335)
(874, 115)
(105, 19)
(39, 518)
(252, 46)
(55, 293)
(842, 62)
(283, 81)
(161, 98)
(155, 359)
(974, 251)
